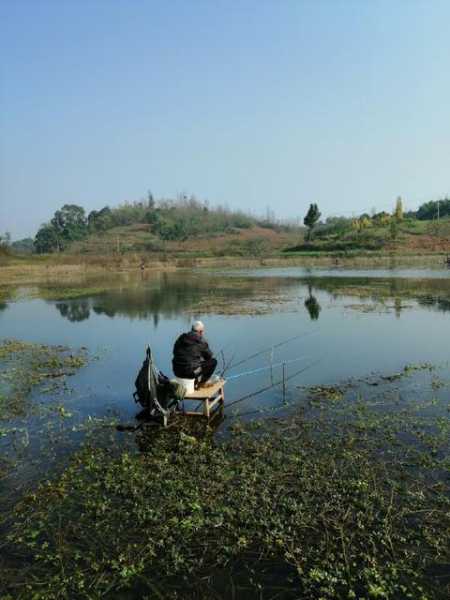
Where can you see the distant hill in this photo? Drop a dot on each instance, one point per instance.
(147, 226)
(163, 226)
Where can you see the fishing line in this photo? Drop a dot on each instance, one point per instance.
(296, 337)
(226, 365)
(260, 411)
(269, 387)
(272, 366)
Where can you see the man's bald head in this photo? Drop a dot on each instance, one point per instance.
(198, 327)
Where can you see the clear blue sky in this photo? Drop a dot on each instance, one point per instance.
(252, 103)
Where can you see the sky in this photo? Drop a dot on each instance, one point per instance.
(249, 103)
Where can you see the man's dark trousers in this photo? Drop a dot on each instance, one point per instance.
(204, 371)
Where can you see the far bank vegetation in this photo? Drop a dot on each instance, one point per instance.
(189, 227)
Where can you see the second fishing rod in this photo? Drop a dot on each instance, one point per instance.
(271, 348)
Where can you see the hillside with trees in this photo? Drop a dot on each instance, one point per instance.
(149, 226)
(187, 226)
(427, 229)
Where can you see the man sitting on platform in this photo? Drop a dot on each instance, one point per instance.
(192, 358)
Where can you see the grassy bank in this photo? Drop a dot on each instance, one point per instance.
(65, 267)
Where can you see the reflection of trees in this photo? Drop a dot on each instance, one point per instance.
(442, 304)
(398, 307)
(168, 298)
(100, 310)
(312, 306)
(7, 294)
(75, 310)
(433, 293)
(169, 295)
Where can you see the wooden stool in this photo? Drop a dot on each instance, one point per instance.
(212, 397)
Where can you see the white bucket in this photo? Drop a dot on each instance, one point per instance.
(188, 384)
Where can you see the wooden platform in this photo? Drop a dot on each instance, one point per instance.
(210, 399)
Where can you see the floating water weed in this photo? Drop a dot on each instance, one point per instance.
(343, 511)
(27, 367)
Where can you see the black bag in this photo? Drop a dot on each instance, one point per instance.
(152, 387)
(143, 393)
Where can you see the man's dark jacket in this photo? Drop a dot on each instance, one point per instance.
(189, 352)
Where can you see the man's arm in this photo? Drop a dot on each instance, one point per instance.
(205, 351)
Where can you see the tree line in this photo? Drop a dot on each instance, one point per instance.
(429, 211)
(179, 219)
(188, 217)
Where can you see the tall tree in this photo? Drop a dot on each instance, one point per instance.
(5, 239)
(429, 210)
(150, 200)
(100, 220)
(70, 223)
(398, 212)
(312, 216)
(46, 239)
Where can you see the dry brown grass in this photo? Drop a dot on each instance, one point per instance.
(68, 267)
(65, 267)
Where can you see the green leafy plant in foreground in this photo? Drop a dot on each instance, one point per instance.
(338, 510)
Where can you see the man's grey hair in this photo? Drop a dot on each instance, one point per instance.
(198, 326)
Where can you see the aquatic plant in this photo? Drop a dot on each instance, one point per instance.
(25, 367)
(341, 506)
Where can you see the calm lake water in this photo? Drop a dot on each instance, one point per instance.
(352, 323)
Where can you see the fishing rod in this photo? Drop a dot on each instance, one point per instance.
(226, 365)
(259, 369)
(259, 411)
(282, 343)
(269, 387)
(221, 351)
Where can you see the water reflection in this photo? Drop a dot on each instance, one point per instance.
(312, 305)
(442, 304)
(170, 295)
(167, 295)
(140, 298)
(74, 311)
(169, 299)
(431, 293)
(6, 294)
